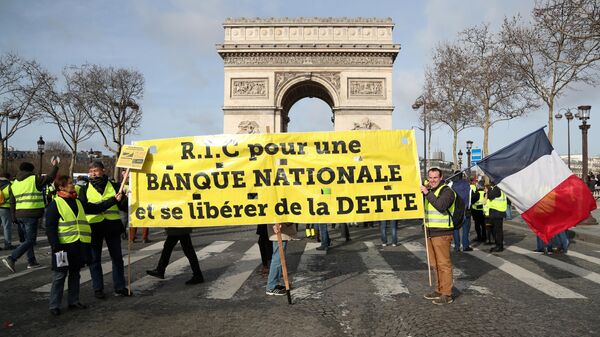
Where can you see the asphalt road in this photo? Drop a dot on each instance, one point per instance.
(357, 289)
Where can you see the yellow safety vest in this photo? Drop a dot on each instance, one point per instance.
(499, 204)
(70, 227)
(6, 193)
(95, 198)
(435, 218)
(26, 194)
(479, 204)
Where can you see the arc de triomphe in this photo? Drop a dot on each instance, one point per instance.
(270, 64)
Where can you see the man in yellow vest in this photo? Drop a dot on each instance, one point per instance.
(5, 216)
(69, 232)
(106, 226)
(439, 203)
(27, 208)
(495, 210)
(477, 202)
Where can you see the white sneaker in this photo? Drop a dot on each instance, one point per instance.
(394, 245)
(33, 265)
(384, 245)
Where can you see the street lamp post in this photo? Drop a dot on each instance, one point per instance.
(469, 147)
(583, 113)
(569, 116)
(418, 103)
(460, 154)
(90, 154)
(40, 144)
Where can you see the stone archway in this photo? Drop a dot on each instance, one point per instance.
(270, 64)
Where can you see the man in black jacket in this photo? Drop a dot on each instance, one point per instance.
(27, 207)
(106, 226)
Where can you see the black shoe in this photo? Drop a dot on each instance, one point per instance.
(124, 292)
(156, 273)
(77, 305)
(468, 249)
(325, 248)
(55, 312)
(124, 236)
(196, 279)
(496, 249)
(99, 294)
(146, 241)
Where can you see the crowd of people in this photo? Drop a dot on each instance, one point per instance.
(80, 217)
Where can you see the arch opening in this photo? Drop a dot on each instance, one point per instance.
(299, 91)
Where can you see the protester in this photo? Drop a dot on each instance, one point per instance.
(463, 190)
(477, 202)
(325, 240)
(5, 216)
(495, 209)
(27, 208)
(106, 226)
(265, 247)
(68, 231)
(274, 282)
(183, 236)
(393, 225)
(309, 230)
(439, 201)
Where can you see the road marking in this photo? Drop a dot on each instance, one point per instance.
(306, 281)
(588, 258)
(107, 266)
(21, 273)
(381, 274)
(584, 273)
(533, 280)
(459, 276)
(234, 277)
(179, 266)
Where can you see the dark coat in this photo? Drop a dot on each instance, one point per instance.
(178, 231)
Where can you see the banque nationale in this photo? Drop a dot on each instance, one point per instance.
(269, 177)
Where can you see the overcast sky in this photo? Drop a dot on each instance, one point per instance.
(172, 42)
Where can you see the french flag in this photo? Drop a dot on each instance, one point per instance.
(539, 184)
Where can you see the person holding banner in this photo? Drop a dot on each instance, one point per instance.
(274, 281)
(106, 226)
(69, 234)
(439, 203)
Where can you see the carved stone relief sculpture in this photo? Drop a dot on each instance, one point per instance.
(248, 127)
(368, 88)
(366, 124)
(245, 87)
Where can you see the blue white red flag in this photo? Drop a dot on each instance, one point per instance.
(549, 196)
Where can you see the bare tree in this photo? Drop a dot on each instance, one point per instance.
(56, 148)
(66, 109)
(549, 59)
(454, 105)
(425, 101)
(20, 81)
(585, 23)
(113, 95)
(498, 89)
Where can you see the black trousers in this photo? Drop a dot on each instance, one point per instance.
(497, 224)
(265, 245)
(188, 250)
(479, 220)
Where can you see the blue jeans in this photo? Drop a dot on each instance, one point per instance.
(393, 224)
(275, 272)
(562, 239)
(6, 220)
(58, 284)
(324, 235)
(27, 236)
(466, 229)
(113, 242)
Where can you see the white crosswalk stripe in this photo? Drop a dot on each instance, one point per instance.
(387, 283)
(588, 258)
(581, 272)
(459, 275)
(531, 279)
(107, 266)
(228, 284)
(179, 266)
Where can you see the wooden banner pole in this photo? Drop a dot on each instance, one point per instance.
(284, 266)
(427, 251)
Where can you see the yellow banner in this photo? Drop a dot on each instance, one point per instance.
(316, 177)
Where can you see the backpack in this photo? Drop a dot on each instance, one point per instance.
(458, 216)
